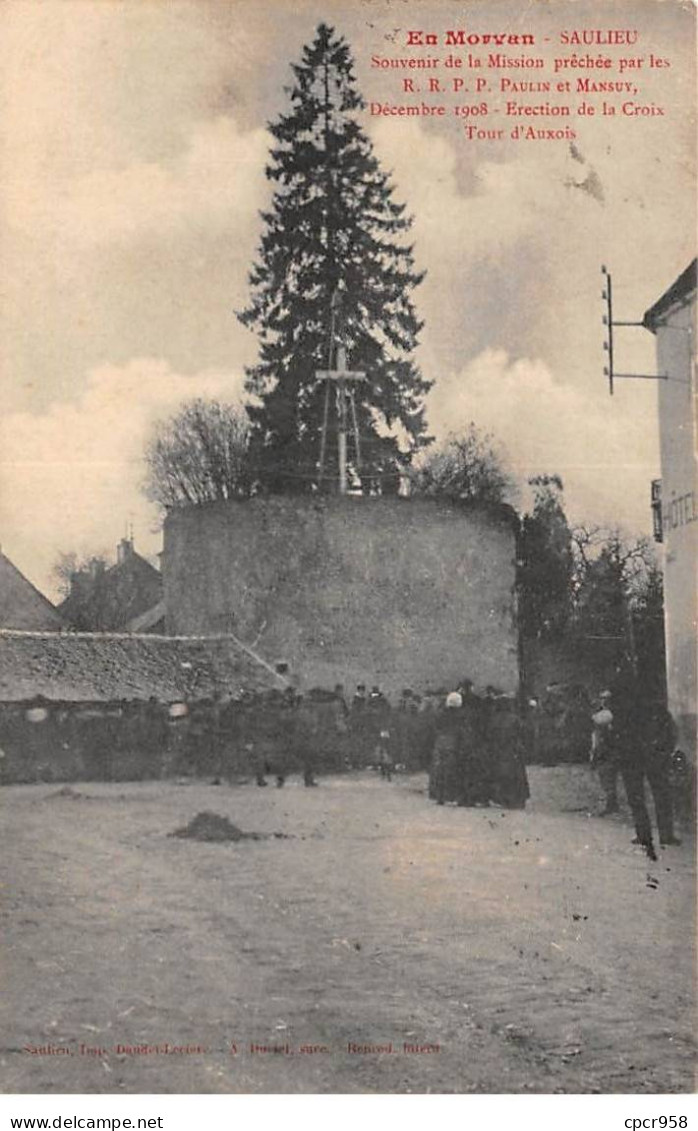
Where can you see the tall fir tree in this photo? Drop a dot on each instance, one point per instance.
(333, 253)
(546, 569)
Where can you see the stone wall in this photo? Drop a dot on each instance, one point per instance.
(398, 592)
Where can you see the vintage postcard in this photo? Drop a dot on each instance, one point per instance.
(348, 547)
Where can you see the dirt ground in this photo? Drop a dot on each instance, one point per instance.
(416, 948)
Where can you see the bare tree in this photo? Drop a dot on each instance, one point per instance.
(627, 560)
(546, 562)
(199, 455)
(618, 601)
(466, 467)
(70, 565)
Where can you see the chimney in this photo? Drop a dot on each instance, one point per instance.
(79, 580)
(124, 550)
(96, 568)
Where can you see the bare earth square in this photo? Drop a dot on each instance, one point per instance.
(388, 945)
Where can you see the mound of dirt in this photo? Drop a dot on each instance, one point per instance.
(213, 827)
(70, 793)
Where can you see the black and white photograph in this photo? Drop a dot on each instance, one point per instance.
(348, 552)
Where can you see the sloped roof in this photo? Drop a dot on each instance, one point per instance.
(22, 606)
(93, 667)
(678, 292)
(148, 620)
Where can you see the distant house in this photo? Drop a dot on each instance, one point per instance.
(126, 597)
(22, 606)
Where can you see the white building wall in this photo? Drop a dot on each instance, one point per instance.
(675, 332)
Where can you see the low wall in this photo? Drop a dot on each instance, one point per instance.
(389, 591)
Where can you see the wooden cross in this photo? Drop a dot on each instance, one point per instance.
(341, 377)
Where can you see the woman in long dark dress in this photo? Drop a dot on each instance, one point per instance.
(445, 773)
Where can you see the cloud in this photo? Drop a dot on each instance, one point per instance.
(512, 300)
(71, 477)
(216, 181)
(104, 84)
(605, 451)
(513, 248)
(146, 259)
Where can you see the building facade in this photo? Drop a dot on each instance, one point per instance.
(125, 597)
(672, 319)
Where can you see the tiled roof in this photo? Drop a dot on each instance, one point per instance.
(91, 667)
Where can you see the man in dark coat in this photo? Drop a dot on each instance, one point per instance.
(306, 738)
(643, 736)
(660, 740)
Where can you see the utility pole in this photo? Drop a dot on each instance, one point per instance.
(609, 322)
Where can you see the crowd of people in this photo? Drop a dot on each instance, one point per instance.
(474, 746)
(320, 731)
(477, 755)
(471, 745)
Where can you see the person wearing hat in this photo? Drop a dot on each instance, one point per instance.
(359, 700)
(604, 753)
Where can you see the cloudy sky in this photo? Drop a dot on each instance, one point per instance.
(131, 175)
